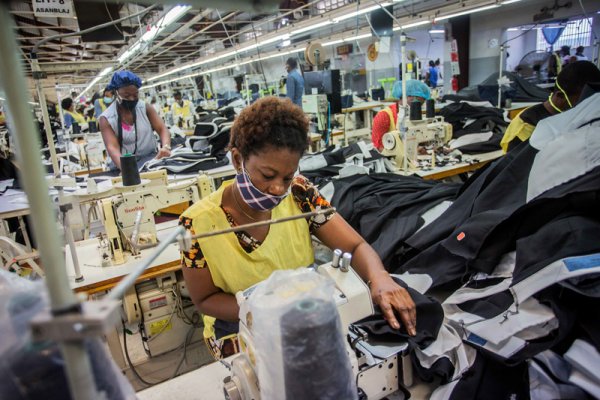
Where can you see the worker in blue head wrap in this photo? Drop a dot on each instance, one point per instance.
(127, 125)
(386, 119)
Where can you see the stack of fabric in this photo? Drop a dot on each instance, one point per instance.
(520, 245)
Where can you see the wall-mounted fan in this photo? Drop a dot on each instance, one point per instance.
(534, 65)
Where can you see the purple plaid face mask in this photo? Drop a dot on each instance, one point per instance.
(252, 196)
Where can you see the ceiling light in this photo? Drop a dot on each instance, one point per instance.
(411, 25)
(474, 10)
(513, 29)
(311, 27)
(509, 2)
(333, 42)
(359, 12)
(436, 31)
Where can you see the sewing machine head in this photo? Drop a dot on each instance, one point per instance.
(418, 132)
(367, 360)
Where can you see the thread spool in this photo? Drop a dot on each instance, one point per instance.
(415, 111)
(430, 108)
(337, 255)
(129, 170)
(316, 365)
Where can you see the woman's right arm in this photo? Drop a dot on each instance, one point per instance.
(110, 141)
(208, 298)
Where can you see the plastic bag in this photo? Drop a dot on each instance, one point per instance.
(34, 371)
(299, 345)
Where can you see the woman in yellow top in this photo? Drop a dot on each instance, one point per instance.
(267, 141)
(569, 85)
(70, 114)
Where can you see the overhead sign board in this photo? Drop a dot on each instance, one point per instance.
(53, 8)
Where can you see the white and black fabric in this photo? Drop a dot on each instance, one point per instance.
(185, 162)
(211, 135)
(321, 167)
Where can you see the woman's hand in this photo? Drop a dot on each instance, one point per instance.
(390, 296)
(163, 152)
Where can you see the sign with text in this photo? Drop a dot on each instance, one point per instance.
(53, 8)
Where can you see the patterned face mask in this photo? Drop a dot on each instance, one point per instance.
(252, 196)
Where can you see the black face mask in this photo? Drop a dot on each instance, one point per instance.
(128, 104)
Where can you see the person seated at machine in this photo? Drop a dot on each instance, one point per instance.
(101, 104)
(386, 119)
(267, 140)
(71, 116)
(128, 125)
(181, 110)
(569, 84)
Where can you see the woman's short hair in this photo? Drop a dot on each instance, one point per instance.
(66, 103)
(270, 121)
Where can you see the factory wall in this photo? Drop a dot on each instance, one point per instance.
(492, 24)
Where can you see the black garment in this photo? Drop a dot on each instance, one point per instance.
(487, 119)
(430, 317)
(535, 114)
(386, 208)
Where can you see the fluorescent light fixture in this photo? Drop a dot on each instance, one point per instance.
(436, 31)
(509, 2)
(171, 16)
(359, 12)
(2, 98)
(513, 29)
(412, 25)
(105, 71)
(286, 43)
(333, 42)
(278, 54)
(466, 12)
(311, 27)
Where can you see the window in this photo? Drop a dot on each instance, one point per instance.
(577, 33)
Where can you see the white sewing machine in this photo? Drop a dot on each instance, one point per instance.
(417, 132)
(126, 209)
(377, 366)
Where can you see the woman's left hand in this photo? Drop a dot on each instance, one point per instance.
(390, 296)
(163, 152)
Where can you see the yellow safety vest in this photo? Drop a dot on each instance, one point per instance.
(181, 111)
(80, 119)
(287, 246)
(389, 112)
(516, 129)
(103, 106)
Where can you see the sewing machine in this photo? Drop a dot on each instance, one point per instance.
(417, 132)
(129, 209)
(377, 366)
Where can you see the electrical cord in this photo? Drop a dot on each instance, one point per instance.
(130, 364)
(587, 18)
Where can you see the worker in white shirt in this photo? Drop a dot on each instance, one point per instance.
(182, 111)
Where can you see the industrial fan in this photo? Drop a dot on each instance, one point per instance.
(535, 65)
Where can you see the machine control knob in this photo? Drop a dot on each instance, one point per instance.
(346, 260)
(337, 255)
(230, 389)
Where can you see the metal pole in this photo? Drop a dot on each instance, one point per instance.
(35, 68)
(500, 77)
(62, 299)
(401, 121)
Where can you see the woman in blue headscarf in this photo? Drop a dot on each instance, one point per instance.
(128, 125)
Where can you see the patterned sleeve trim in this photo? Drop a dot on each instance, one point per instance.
(309, 199)
(193, 258)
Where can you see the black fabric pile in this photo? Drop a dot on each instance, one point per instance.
(486, 119)
(386, 209)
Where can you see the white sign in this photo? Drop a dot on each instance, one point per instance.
(455, 68)
(53, 8)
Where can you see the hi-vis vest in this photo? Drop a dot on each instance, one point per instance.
(181, 111)
(80, 119)
(287, 246)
